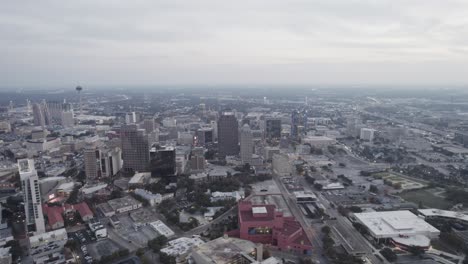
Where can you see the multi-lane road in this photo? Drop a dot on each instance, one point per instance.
(313, 233)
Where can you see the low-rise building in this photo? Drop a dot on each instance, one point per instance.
(305, 197)
(221, 196)
(318, 141)
(401, 228)
(264, 224)
(97, 228)
(48, 243)
(5, 236)
(114, 221)
(124, 204)
(5, 255)
(181, 247)
(444, 215)
(161, 228)
(152, 198)
(139, 179)
(226, 250)
(199, 177)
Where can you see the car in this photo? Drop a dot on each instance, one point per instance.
(264, 190)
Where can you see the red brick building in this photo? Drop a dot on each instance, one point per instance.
(263, 224)
(56, 214)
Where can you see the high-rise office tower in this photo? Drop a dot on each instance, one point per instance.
(111, 161)
(38, 115)
(31, 196)
(163, 161)
(101, 161)
(246, 144)
(298, 123)
(67, 119)
(91, 159)
(55, 110)
(295, 123)
(148, 125)
(46, 113)
(135, 148)
(228, 134)
(204, 136)
(273, 127)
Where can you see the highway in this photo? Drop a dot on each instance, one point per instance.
(312, 233)
(344, 232)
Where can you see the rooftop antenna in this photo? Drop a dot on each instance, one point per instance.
(79, 89)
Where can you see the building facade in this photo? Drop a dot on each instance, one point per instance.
(135, 149)
(228, 134)
(263, 224)
(272, 127)
(32, 196)
(246, 144)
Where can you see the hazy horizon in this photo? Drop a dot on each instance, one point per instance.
(56, 45)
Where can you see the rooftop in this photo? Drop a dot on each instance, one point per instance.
(395, 223)
(223, 250)
(444, 213)
(122, 202)
(259, 210)
(182, 246)
(162, 228)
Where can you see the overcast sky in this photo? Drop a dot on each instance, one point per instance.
(138, 42)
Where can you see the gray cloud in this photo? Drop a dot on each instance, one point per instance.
(142, 42)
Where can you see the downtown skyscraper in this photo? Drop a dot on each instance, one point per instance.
(246, 144)
(32, 196)
(228, 134)
(135, 148)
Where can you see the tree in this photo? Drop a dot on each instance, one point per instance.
(305, 261)
(140, 252)
(166, 259)
(355, 209)
(388, 254)
(373, 189)
(318, 186)
(416, 251)
(326, 230)
(157, 243)
(72, 244)
(15, 249)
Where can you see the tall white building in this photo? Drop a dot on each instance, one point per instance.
(246, 144)
(67, 119)
(367, 134)
(32, 195)
(101, 162)
(38, 115)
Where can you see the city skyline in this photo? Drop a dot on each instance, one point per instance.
(104, 43)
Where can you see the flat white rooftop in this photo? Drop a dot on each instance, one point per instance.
(259, 210)
(395, 223)
(444, 213)
(162, 228)
(416, 240)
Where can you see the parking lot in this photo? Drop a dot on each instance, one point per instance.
(83, 237)
(102, 248)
